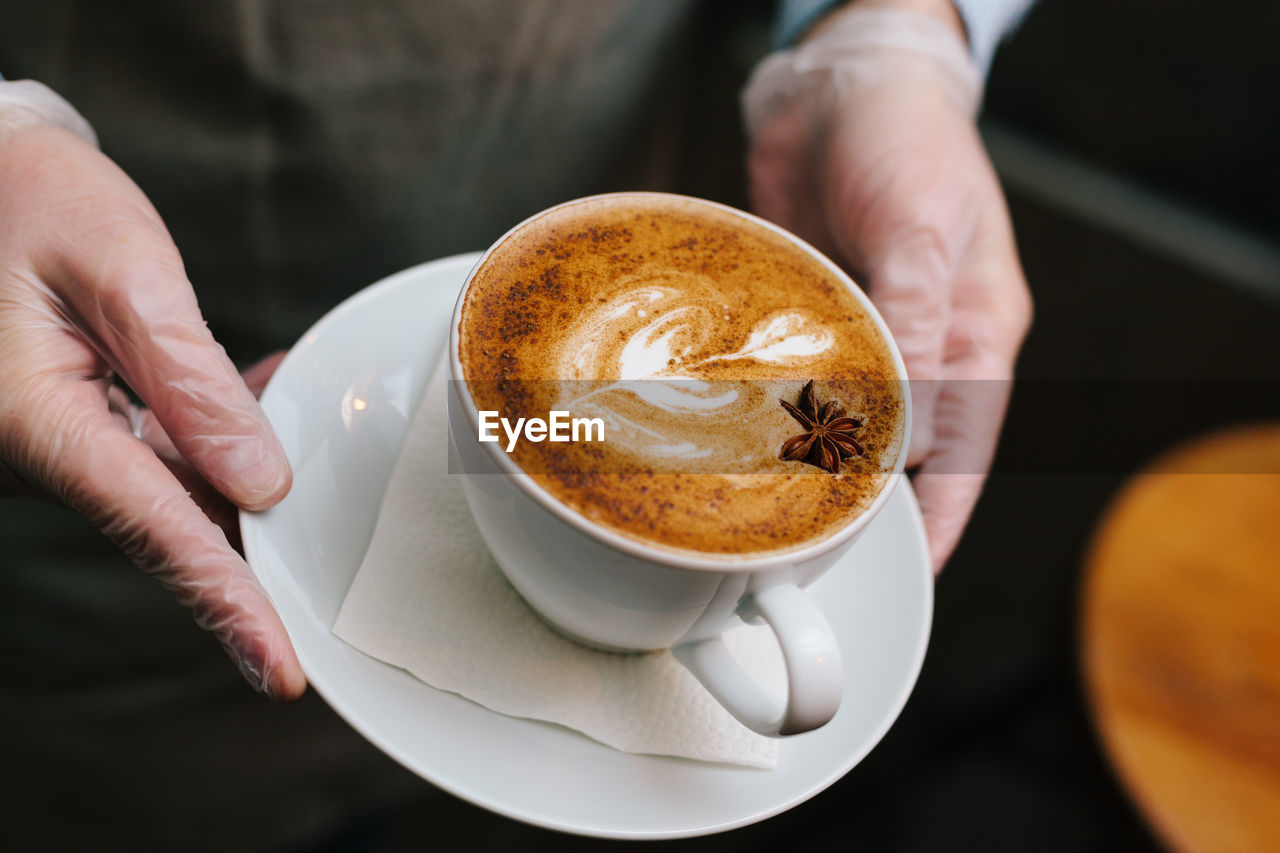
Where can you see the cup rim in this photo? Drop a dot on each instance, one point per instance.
(677, 557)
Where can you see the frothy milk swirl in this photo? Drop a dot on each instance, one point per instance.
(661, 335)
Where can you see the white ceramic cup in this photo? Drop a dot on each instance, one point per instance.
(615, 593)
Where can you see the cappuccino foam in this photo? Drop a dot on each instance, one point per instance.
(680, 325)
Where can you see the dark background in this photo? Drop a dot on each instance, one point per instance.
(1169, 100)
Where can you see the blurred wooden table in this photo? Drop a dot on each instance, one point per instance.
(1181, 642)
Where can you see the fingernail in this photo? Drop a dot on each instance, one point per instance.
(259, 472)
(252, 670)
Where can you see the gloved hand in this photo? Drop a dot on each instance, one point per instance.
(90, 285)
(863, 143)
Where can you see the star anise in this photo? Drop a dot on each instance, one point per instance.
(828, 436)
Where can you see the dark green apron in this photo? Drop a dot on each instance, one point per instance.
(298, 151)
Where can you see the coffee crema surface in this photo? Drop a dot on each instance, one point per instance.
(680, 325)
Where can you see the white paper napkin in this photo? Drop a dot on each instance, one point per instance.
(429, 598)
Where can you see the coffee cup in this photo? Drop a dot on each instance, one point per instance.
(628, 557)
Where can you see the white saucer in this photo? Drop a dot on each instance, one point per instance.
(341, 402)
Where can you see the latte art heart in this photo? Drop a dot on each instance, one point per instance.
(668, 327)
(664, 337)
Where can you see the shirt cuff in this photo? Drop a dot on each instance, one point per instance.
(986, 21)
(795, 17)
(26, 102)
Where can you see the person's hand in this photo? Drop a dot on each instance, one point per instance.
(863, 143)
(91, 285)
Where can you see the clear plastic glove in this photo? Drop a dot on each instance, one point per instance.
(90, 285)
(864, 143)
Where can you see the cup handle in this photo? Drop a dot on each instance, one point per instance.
(815, 674)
